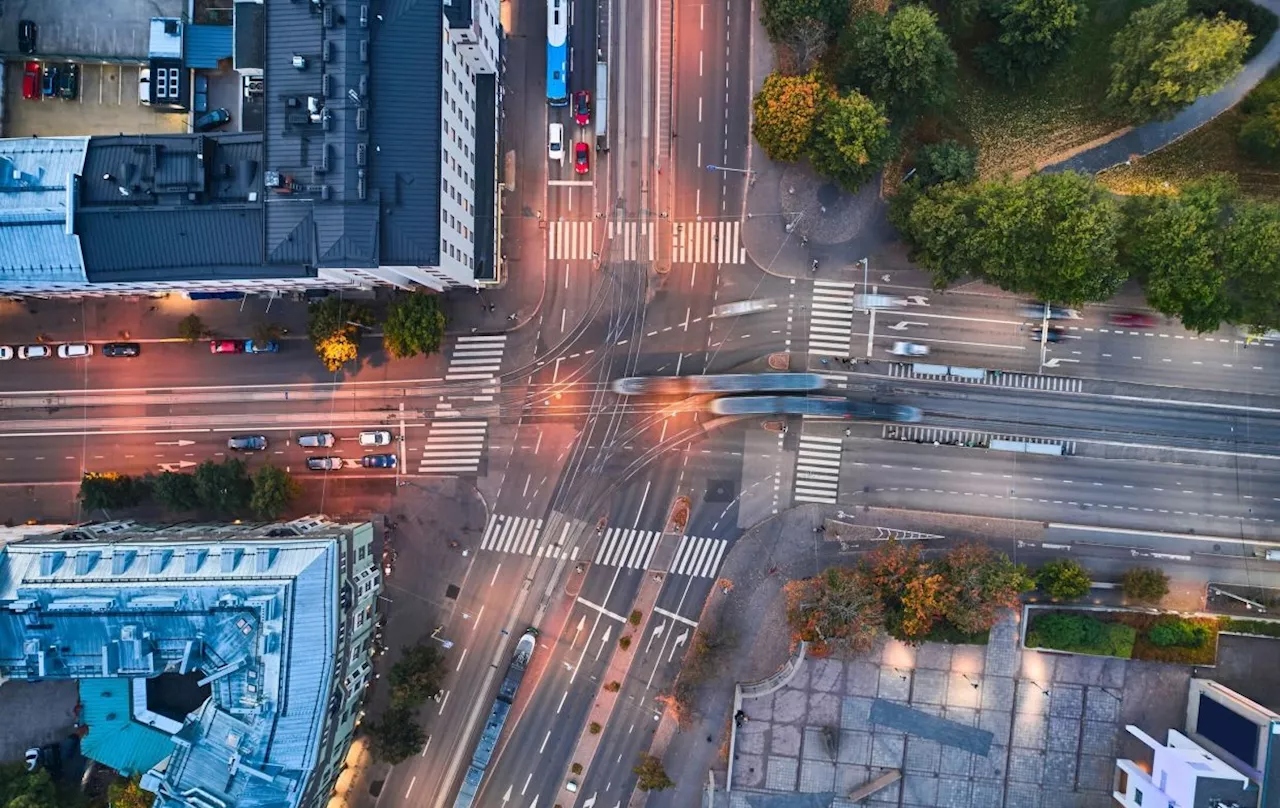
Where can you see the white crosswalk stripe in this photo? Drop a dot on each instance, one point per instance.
(698, 557)
(818, 469)
(831, 318)
(453, 447)
(707, 242)
(570, 241)
(476, 357)
(623, 547)
(633, 241)
(1030, 381)
(521, 535)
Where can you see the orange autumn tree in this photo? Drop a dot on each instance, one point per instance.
(837, 611)
(979, 583)
(910, 590)
(785, 112)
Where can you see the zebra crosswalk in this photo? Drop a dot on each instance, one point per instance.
(831, 318)
(818, 469)
(570, 241)
(699, 558)
(633, 241)
(707, 242)
(522, 535)
(453, 446)
(476, 357)
(623, 547)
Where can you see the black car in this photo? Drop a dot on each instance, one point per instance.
(1056, 333)
(69, 81)
(212, 120)
(26, 36)
(121, 349)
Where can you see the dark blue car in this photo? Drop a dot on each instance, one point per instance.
(258, 346)
(379, 461)
(247, 443)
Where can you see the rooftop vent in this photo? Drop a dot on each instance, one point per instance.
(364, 50)
(361, 184)
(362, 153)
(299, 62)
(324, 85)
(363, 84)
(324, 159)
(364, 16)
(326, 50)
(314, 108)
(328, 18)
(362, 119)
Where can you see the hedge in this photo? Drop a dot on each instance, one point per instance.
(1266, 628)
(1081, 634)
(1128, 635)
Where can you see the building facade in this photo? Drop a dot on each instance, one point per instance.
(226, 664)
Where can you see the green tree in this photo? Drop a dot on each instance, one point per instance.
(979, 583)
(836, 610)
(1145, 584)
(414, 325)
(334, 324)
(397, 735)
(1162, 61)
(902, 61)
(1172, 630)
(785, 112)
(947, 161)
(175, 491)
(1172, 244)
(1250, 256)
(851, 141)
(910, 590)
(1259, 134)
(1032, 34)
(1063, 579)
(111, 490)
(191, 328)
(273, 490)
(224, 487)
(129, 794)
(22, 789)
(1053, 236)
(780, 17)
(653, 777)
(417, 676)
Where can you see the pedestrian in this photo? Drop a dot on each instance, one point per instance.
(493, 306)
(474, 329)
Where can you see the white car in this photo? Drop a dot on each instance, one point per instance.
(378, 437)
(74, 350)
(6, 353)
(144, 86)
(571, 786)
(555, 142)
(35, 352)
(909, 349)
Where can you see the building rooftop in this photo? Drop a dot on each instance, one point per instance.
(166, 38)
(115, 739)
(207, 45)
(250, 35)
(37, 194)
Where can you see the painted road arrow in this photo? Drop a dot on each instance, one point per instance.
(657, 632)
(179, 466)
(681, 639)
(175, 443)
(1053, 363)
(582, 623)
(918, 300)
(506, 797)
(604, 638)
(902, 325)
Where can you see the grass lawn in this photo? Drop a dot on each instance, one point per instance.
(1210, 149)
(1016, 129)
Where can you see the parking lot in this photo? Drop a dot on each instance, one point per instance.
(107, 104)
(75, 30)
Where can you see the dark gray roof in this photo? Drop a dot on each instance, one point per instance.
(364, 181)
(486, 187)
(250, 36)
(458, 12)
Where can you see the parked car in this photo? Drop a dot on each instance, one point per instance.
(378, 461)
(1056, 333)
(49, 82)
(324, 463)
(144, 86)
(555, 142)
(33, 758)
(1133, 319)
(35, 352)
(69, 81)
(247, 443)
(27, 36)
(31, 80)
(261, 346)
(6, 353)
(226, 346)
(314, 440)
(582, 108)
(377, 437)
(581, 158)
(75, 350)
(121, 349)
(909, 349)
(212, 120)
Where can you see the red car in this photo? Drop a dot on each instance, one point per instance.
(582, 108)
(581, 158)
(1133, 320)
(226, 346)
(31, 80)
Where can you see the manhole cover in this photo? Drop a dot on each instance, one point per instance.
(375, 788)
(720, 491)
(828, 194)
(451, 592)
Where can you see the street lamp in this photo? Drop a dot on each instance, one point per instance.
(747, 171)
(970, 681)
(435, 636)
(1038, 687)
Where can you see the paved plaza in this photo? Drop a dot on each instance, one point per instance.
(967, 726)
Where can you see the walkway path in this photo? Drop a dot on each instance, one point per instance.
(1149, 137)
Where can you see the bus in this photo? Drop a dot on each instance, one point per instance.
(817, 407)
(558, 53)
(723, 383)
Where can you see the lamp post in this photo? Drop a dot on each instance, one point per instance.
(747, 171)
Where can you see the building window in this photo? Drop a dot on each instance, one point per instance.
(1137, 797)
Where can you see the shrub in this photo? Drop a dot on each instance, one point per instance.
(613, 687)
(1081, 634)
(1174, 631)
(1145, 583)
(635, 617)
(1063, 579)
(576, 768)
(1265, 628)
(624, 642)
(594, 728)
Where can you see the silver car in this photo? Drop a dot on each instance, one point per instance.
(317, 440)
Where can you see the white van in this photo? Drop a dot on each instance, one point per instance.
(555, 142)
(878, 302)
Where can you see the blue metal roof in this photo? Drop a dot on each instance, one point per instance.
(36, 195)
(115, 739)
(206, 45)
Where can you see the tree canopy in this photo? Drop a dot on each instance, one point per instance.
(417, 675)
(223, 487)
(1053, 236)
(396, 735)
(1162, 60)
(191, 328)
(414, 325)
(653, 777)
(851, 141)
(111, 490)
(979, 583)
(781, 17)
(334, 324)
(902, 61)
(175, 491)
(947, 161)
(22, 789)
(1260, 132)
(129, 794)
(1032, 34)
(785, 112)
(1145, 584)
(273, 490)
(1063, 579)
(835, 611)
